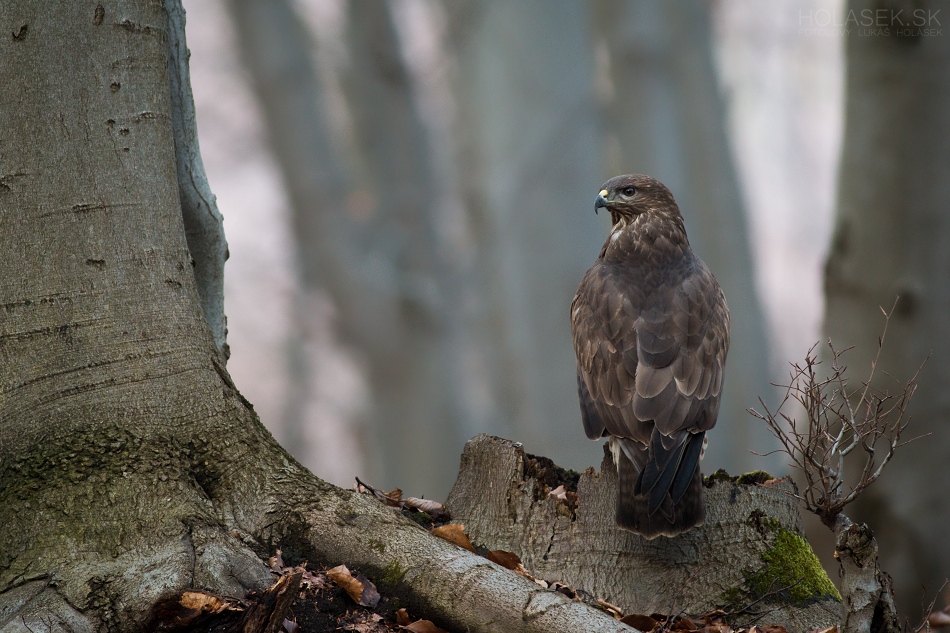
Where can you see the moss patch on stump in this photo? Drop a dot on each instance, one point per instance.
(791, 571)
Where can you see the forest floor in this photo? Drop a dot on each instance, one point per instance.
(311, 597)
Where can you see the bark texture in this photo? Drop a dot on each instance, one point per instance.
(748, 558)
(868, 591)
(107, 365)
(892, 238)
(132, 468)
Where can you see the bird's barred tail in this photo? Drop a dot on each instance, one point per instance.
(669, 518)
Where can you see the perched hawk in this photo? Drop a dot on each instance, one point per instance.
(651, 332)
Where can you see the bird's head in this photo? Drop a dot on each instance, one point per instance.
(628, 196)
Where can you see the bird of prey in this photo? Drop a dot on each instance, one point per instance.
(651, 332)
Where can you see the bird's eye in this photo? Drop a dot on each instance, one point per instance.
(628, 191)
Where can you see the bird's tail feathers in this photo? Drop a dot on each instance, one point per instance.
(644, 510)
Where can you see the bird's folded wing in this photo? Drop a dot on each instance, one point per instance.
(654, 358)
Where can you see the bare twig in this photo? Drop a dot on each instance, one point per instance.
(840, 423)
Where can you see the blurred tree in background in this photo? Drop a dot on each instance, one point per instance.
(892, 238)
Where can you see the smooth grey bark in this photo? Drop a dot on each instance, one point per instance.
(132, 468)
(106, 361)
(501, 496)
(204, 225)
(892, 238)
(663, 116)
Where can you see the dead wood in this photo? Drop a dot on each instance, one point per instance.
(869, 592)
(749, 558)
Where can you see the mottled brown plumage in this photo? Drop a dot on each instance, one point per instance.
(651, 332)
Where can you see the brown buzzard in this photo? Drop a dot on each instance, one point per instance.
(651, 332)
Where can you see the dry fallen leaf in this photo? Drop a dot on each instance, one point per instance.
(508, 560)
(768, 629)
(684, 625)
(716, 615)
(203, 602)
(454, 533)
(359, 588)
(364, 623)
(423, 626)
(567, 590)
(290, 626)
(559, 493)
(190, 606)
(640, 622)
(370, 597)
(402, 617)
(312, 580)
(430, 507)
(393, 498)
(830, 629)
(276, 562)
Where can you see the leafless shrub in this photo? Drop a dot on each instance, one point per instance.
(840, 424)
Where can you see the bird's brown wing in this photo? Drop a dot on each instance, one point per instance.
(602, 324)
(650, 353)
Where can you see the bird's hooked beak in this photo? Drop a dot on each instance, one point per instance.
(601, 200)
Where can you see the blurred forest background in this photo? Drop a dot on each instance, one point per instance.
(408, 188)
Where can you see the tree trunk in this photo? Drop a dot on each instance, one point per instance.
(663, 116)
(528, 164)
(107, 365)
(892, 238)
(749, 558)
(132, 468)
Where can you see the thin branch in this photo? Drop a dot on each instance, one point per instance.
(839, 425)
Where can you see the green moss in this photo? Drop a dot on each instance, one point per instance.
(422, 518)
(393, 573)
(745, 479)
(791, 561)
(791, 569)
(754, 477)
(719, 475)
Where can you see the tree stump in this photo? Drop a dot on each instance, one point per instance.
(749, 559)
